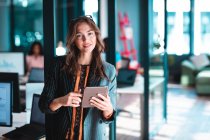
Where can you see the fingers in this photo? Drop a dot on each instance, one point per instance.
(75, 94)
(76, 98)
(106, 99)
(97, 104)
(73, 99)
(75, 103)
(94, 99)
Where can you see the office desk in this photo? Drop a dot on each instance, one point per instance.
(19, 119)
(138, 89)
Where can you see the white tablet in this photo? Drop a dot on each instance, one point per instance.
(90, 92)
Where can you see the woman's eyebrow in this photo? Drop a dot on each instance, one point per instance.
(87, 31)
(90, 30)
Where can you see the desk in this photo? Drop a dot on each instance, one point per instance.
(138, 89)
(19, 119)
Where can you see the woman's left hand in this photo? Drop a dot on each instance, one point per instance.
(102, 103)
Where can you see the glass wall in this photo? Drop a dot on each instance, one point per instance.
(156, 71)
(91, 8)
(202, 27)
(178, 27)
(28, 23)
(60, 27)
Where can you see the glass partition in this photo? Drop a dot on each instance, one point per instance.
(178, 27)
(156, 69)
(91, 8)
(60, 27)
(202, 28)
(28, 23)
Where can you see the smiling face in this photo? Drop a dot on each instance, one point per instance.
(85, 38)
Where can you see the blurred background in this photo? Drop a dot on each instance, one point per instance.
(161, 50)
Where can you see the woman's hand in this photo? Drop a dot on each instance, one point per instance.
(104, 104)
(71, 99)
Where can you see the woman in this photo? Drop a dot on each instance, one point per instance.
(35, 58)
(70, 74)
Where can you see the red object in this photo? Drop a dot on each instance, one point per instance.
(124, 22)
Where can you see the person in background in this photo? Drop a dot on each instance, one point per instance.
(35, 58)
(60, 50)
(67, 78)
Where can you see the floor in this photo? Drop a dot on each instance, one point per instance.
(188, 117)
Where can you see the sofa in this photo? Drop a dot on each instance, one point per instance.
(195, 71)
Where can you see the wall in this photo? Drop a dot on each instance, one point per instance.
(4, 27)
(132, 9)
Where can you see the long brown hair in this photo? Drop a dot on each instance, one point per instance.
(71, 64)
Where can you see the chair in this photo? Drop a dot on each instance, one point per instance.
(125, 62)
(192, 67)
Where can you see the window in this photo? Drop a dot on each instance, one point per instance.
(178, 27)
(91, 8)
(202, 28)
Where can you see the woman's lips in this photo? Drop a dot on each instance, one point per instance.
(86, 46)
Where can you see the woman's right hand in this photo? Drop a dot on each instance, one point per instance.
(72, 99)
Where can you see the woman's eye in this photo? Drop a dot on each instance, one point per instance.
(79, 36)
(90, 34)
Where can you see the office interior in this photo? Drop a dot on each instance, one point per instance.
(165, 41)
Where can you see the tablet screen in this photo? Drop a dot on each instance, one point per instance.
(90, 92)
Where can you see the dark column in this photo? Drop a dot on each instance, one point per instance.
(146, 40)
(165, 64)
(192, 11)
(110, 55)
(48, 28)
(49, 51)
(99, 13)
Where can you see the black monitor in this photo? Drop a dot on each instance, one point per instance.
(12, 62)
(37, 117)
(13, 77)
(5, 103)
(36, 75)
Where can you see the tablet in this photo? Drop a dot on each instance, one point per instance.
(90, 92)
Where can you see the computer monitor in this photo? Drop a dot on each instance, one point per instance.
(31, 88)
(37, 117)
(36, 75)
(5, 103)
(12, 62)
(13, 78)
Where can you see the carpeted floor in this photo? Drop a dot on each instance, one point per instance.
(188, 117)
